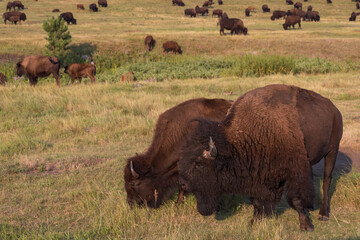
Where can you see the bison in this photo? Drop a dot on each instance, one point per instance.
(7, 15)
(9, 6)
(269, 140)
(296, 12)
(353, 16)
(14, 19)
(291, 21)
(217, 12)
(18, 4)
(201, 10)
(38, 66)
(357, 6)
(289, 2)
(68, 17)
(149, 42)
(220, 2)
(178, 2)
(93, 7)
(81, 70)
(172, 46)
(265, 8)
(312, 16)
(56, 10)
(207, 4)
(328, 1)
(151, 177)
(298, 5)
(277, 15)
(80, 6)
(309, 8)
(190, 12)
(247, 12)
(102, 3)
(2, 79)
(235, 25)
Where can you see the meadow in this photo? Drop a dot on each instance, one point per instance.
(62, 150)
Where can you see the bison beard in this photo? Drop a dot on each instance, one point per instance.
(269, 139)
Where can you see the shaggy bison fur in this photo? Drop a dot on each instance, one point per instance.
(38, 66)
(298, 5)
(9, 6)
(149, 42)
(93, 7)
(81, 70)
(18, 4)
(289, 2)
(152, 177)
(268, 141)
(235, 25)
(172, 46)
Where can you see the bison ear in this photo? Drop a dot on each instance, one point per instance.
(212, 153)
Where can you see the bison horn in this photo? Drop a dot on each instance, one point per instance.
(212, 153)
(135, 174)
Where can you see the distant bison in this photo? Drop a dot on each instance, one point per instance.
(220, 2)
(68, 17)
(14, 19)
(178, 2)
(217, 12)
(80, 6)
(7, 15)
(277, 15)
(357, 6)
(18, 4)
(207, 4)
(248, 10)
(38, 66)
(190, 12)
(328, 1)
(265, 8)
(149, 42)
(172, 46)
(201, 10)
(56, 10)
(152, 177)
(289, 2)
(353, 16)
(2, 79)
(93, 7)
(128, 77)
(81, 70)
(296, 12)
(9, 6)
(268, 141)
(102, 3)
(235, 25)
(291, 21)
(309, 8)
(298, 5)
(312, 16)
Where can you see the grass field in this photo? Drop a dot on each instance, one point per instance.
(62, 150)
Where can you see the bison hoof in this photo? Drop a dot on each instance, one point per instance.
(308, 227)
(323, 218)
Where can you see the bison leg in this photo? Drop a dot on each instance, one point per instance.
(56, 76)
(262, 209)
(299, 25)
(93, 80)
(33, 81)
(330, 160)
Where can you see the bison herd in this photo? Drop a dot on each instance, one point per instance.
(261, 145)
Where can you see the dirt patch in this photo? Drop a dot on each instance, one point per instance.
(10, 57)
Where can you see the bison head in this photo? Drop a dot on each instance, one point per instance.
(23, 17)
(272, 18)
(19, 69)
(205, 156)
(73, 21)
(285, 26)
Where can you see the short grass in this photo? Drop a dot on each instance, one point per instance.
(62, 153)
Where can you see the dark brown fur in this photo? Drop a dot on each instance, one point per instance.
(220, 2)
(265, 8)
(9, 6)
(235, 25)
(102, 3)
(80, 6)
(289, 2)
(68, 17)
(217, 12)
(157, 167)
(14, 19)
(269, 139)
(328, 1)
(18, 4)
(56, 10)
(201, 10)
(149, 42)
(172, 46)
(93, 7)
(291, 21)
(298, 5)
(190, 12)
(309, 8)
(7, 15)
(277, 14)
(2, 79)
(38, 66)
(207, 4)
(353, 16)
(178, 2)
(81, 70)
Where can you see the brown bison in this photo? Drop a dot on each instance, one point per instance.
(289, 2)
(298, 5)
(278, 14)
(235, 25)
(249, 10)
(328, 1)
(7, 15)
(357, 6)
(201, 10)
(178, 2)
(267, 142)
(217, 12)
(312, 16)
(190, 12)
(38, 66)
(128, 77)
(265, 8)
(291, 21)
(9, 6)
(296, 12)
(151, 178)
(93, 7)
(56, 10)
(80, 6)
(149, 42)
(220, 2)
(309, 8)
(68, 17)
(18, 4)
(81, 70)
(2, 79)
(172, 46)
(14, 19)
(102, 3)
(207, 4)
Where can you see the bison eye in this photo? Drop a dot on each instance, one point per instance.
(197, 165)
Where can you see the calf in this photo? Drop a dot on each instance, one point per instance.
(278, 14)
(328, 1)
(265, 8)
(149, 42)
(80, 6)
(217, 12)
(190, 12)
(172, 46)
(102, 3)
(93, 7)
(291, 21)
(2, 79)
(81, 70)
(68, 17)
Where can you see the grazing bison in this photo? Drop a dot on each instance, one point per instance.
(217, 12)
(2, 79)
(190, 12)
(220, 2)
(18, 4)
(298, 5)
(353, 16)
(68, 17)
(312, 16)
(128, 77)
(172, 46)
(102, 3)
(291, 21)
(277, 15)
(269, 140)
(9, 6)
(93, 7)
(296, 12)
(80, 6)
(235, 25)
(247, 12)
(81, 70)
(38, 66)
(7, 15)
(207, 4)
(328, 1)
(178, 2)
(265, 8)
(201, 10)
(149, 42)
(309, 8)
(56, 10)
(289, 2)
(152, 177)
